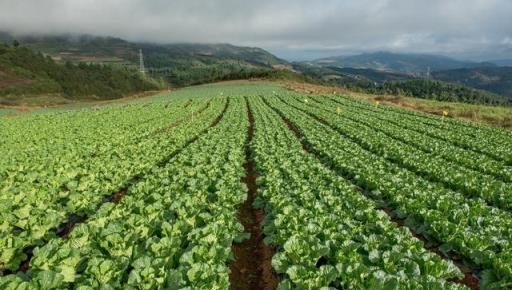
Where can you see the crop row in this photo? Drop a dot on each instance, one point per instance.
(328, 233)
(494, 136)
(173, 229)
(429, 165)
(397, 129)
(495, 143)
(479, 233)
(414, 133)
(42, 198)
(357, 196)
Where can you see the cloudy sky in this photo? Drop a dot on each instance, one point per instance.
(478, 29)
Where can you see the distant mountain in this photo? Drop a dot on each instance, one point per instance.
(398, 62)
(67, 46)
(181, 64)
(442, 91)
(374, 75)
(502, 62)
(393, 83)
(493, 79)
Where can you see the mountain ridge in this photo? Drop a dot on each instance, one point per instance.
(183, 64)
(179, 64)
(497, 80)
(413, 63)
(114, 46)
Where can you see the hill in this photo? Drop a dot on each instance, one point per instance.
(347, 76)
(398, 62)
(493, 79)
(179, 64)
(374, 75)
(25, 72)
(502, 62)
(442, 91)
(393, 83)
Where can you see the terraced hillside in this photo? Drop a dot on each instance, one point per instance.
(251, 186)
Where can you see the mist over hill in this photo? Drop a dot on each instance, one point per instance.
(179, 63)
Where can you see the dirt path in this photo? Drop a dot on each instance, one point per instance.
(252, 268)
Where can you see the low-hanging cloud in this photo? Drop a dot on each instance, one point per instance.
(465, 27)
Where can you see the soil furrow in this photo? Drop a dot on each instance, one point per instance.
(252, 267)
(179, 122)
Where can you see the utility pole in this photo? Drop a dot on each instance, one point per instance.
(141, 63)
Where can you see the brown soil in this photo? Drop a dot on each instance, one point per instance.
(65, 229)
(15, 82)
(25, 264)
(252, 267)
(469, 279)
(118, 196)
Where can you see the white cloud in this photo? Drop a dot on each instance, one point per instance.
(440, 26)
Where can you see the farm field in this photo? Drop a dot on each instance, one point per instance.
(252, 186)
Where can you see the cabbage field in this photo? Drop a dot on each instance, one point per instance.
(252, 186)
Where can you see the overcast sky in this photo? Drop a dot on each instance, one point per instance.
(290, 28)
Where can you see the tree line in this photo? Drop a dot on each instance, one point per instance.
(70, 80)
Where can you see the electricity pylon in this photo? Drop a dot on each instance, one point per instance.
(141, 63)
